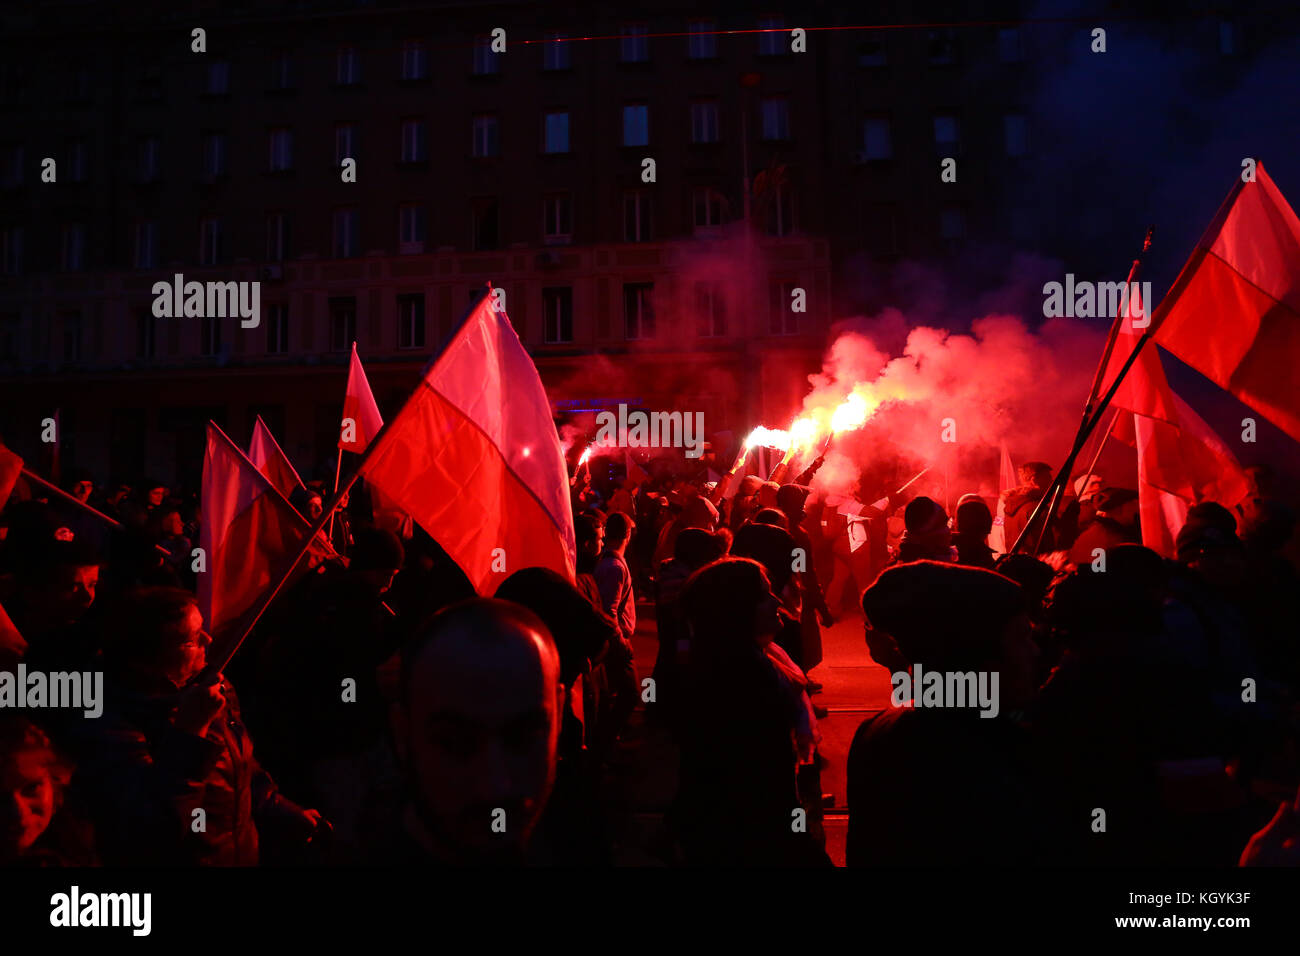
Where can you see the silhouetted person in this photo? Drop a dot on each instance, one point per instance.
(618, 600)
(974, 522)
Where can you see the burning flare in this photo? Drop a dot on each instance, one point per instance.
(851, 413)
(768, 438)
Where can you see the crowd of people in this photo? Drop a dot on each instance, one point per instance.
(1146, 706)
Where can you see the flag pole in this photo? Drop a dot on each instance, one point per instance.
(1091, 413)
(338, 467)
(217, 664)
(111, 522)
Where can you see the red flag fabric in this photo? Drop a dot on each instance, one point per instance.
(266, 455)
(359, 410)
(248, 534)
(1181, 461)
(11, 466)
(1234, 312)
(12, 645)
(474, 457)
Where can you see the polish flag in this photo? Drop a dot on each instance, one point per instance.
(11, 466)
(1233, 313)
(361, 419)
(1181, 461)
(248, 534)
(265, 453)
(474, 457)
(1007, 479)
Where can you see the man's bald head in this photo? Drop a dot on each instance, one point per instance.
(478, 724)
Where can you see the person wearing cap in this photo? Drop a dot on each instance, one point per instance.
(745, 503)
(1115, 523)
(971, 539)
(946, 785)
(926, 535)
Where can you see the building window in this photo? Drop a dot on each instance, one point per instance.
(702, 44)
(411, 228)
(147, 159)
(146, 334)
(779, 216)
(557, 218)
(11, 250)
(710, 310)
(281, 141)
(486, 234)
(784, 320)
(556, 133)
(952, 223)
(414, 141)
(1009, 45)
(775, 40)
(209, 335)
(872, 51)
(942, 46)
(145, 245)
(638, 312)
(634, 46)
(557, 307)
(209, 242)
(555, 52)
(218, 83)
(345, 142)
(347, 240)
(707, 204)
(214, 155)
(410, 321)
(76, 161)
(877, 143)
(11, 166)
(1227, 38)
(415, 60)
(638, 225)
(277, 236)
(1015, 128)
(282, 71)
(487, 137)
(277, 329)
(343, 323)
(72, 336)
(74, 247)
(776, 118)
(636, 125)
(485, 61)
(704, 122)
(347, 67)
(946, 136)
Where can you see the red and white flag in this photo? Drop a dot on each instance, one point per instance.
(265, 453)
(11, 466)
(474, 457)
(249, 533)
(1233, 313)
(1181, 461)
(361, 419)
(1007, 479)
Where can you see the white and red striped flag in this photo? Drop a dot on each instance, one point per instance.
(265, 453)
(361, 419)
(474, 457)
(248, 534)
(1181, 461)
